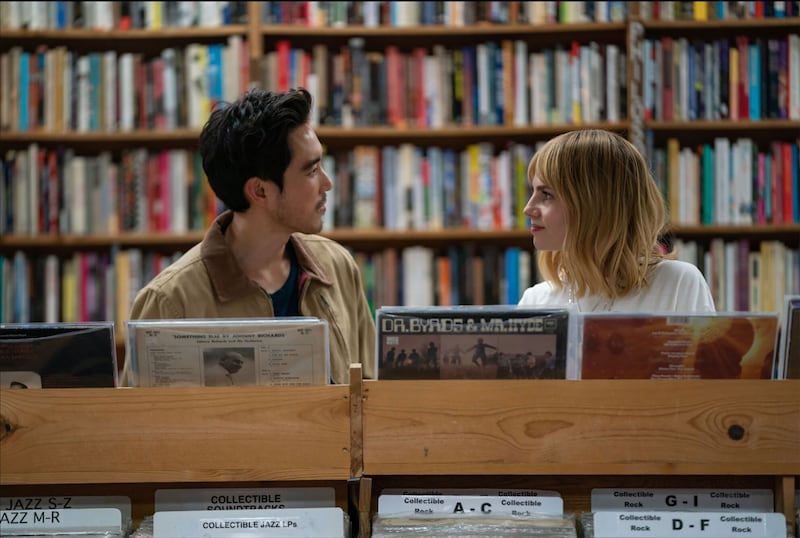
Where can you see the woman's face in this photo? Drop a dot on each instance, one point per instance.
(548, 217)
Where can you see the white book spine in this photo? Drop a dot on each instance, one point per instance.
(84, 94)
(521, 87)
(179, 212)
(230, 68)
(126, 92)
(794, 76)
(110, 94)
(68, 88)
(77, 180)
(170, 94)
(52, 290)
(484, 71)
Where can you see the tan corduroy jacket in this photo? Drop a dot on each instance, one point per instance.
(206, 282)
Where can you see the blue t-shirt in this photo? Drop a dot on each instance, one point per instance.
(286, 301)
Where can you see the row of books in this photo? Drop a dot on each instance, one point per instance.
(742, 278)
(79, 287)
(741, 78)
(446, 13)
(730, 181)
(408, 187)
(491, 83)
(421, 276)
(56, 191)
(717, 10)
(101, 285)
(94, 15)
(56, 89)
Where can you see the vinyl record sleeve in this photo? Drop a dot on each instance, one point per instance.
(737, 345)
(789, 339)
(290, 351)
(472, 342)
(57, 355)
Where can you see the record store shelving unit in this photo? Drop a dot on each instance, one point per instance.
(567, 436)
(562, 435)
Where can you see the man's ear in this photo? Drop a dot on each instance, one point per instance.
(255, 190)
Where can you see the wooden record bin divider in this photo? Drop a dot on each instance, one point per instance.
(570, 436)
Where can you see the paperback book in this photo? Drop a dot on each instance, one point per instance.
(57, 355)
(736, 345)
(228, 352)
(472, 342)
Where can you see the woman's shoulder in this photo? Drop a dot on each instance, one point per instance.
(678, 274)
(676, 268)
(538, 294)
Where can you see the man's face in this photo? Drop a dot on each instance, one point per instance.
(232, 362)
(302, 204)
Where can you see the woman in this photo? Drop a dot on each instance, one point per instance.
(596, 215)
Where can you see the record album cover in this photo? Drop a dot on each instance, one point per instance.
(289, 351)
(656, 346)
(472, 342)
(57, 355)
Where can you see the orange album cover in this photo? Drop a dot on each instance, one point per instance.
(694, 346)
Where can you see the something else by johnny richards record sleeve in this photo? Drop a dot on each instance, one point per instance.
(472, 342)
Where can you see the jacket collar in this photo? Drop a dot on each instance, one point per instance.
(228, 279)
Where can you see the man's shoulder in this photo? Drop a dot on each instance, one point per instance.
(325, 250)
(316, 241)
(182, 268)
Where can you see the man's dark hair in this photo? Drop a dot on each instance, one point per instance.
(249, 137)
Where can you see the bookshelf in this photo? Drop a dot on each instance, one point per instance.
(260, 36)
(720, 123)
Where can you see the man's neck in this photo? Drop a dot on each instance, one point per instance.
(259, 252)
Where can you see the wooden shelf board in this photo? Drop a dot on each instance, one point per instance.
(585, 427)
(204, 434)
(372, 238)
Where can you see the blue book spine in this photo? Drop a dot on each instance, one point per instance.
(95, 81)
(215, 83)
(513, 294)
(754, 79)
(24, 82)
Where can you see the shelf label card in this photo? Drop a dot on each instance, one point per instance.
(699, 499)
(243, 498)
(74, 520)
(685, 524)
(67, 502)
(278, 523)
(468, 505)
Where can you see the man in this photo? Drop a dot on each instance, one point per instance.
(262, 257)
(230, 363)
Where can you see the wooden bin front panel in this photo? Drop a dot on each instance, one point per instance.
(611, 427)
(206, 434)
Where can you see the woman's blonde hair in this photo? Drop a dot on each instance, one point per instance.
(615, 213)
